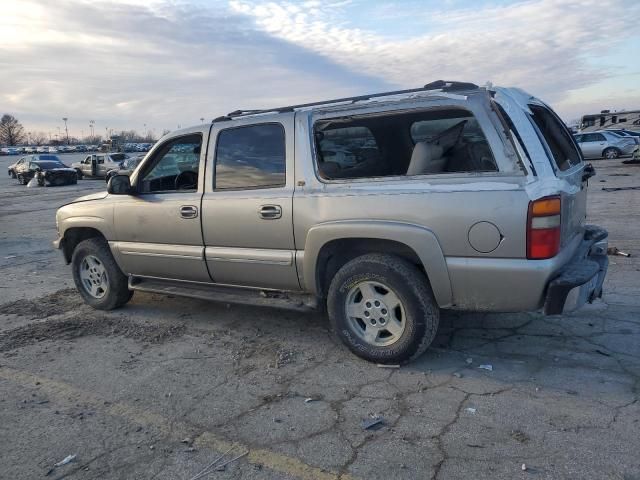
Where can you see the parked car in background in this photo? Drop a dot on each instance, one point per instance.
(443, 197)
(12, 168)
(626, 133)
(604, 144)
(126, 167)
(97, 165)
(11, 151)
(47, 169)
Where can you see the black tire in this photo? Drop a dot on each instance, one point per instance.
(21, 180)
(12, 174)
(611, 153)
(79, 172)
(420, 311)
(117, 292)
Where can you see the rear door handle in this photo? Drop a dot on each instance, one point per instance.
(188, 211)
(270, 212)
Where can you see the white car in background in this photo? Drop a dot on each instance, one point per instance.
(605, 144)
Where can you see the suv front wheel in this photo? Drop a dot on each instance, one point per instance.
(382, 308)
(97, 276)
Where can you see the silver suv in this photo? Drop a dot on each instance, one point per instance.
(383, 209)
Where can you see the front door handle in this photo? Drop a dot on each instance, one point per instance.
(270, 212)
(188, 211)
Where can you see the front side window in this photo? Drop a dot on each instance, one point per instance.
(556, 136)
(174, 167)
(250, 157)
(402, 144)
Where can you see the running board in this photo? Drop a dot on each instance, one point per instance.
(226, 294)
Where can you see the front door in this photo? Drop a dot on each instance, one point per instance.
(247, 206)
(158, 227)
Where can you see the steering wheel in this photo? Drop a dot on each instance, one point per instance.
(187, 180)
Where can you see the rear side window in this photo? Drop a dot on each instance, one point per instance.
(564, 153)
(250, 157)
(402, 144)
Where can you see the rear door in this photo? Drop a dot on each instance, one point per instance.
(565, 158)
(247, 207)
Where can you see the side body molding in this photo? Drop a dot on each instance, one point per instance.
(421, 240)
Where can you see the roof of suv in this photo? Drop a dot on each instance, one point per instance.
(433, 87)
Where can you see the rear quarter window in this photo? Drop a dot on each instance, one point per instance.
(557, 138)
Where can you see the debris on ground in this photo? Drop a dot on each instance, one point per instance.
(370, 423)
(519, 436)
(486, 367)
(387, 365)
(219, 467)
(310, 399)
(617, 189)
(615, 251)
(603, 353)
(471, 410)
(457, 374)
(469, 361)
(65, 460)
(524, 467)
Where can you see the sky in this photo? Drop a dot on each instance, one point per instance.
(151, 65)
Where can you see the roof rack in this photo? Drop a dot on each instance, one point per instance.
(445, 86)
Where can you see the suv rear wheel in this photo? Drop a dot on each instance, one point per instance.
(382, 308)
(97, 276)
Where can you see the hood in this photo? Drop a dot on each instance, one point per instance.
(88, 198)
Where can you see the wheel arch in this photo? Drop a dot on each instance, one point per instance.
(330, 245)
(74, 235)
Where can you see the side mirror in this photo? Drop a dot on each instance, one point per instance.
(119, 185)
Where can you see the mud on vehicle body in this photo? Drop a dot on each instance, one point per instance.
(383, 209)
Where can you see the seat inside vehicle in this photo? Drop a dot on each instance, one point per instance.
(429, 142)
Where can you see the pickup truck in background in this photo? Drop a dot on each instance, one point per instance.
(97, 165)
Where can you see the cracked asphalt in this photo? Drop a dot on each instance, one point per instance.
(163, 387)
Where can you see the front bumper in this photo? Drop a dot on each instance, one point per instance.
(580, 281)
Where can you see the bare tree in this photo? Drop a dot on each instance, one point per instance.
(39, 138)
(11, 130)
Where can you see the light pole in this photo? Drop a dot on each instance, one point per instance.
(201, 119)
(66, 130)
(92, 124)
(145, 131)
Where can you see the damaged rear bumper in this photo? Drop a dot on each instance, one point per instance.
(580, 281)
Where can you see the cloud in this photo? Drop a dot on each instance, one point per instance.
(164, 63)
(127, 65)
(540, 45)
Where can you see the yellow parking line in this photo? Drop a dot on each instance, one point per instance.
(65, 393)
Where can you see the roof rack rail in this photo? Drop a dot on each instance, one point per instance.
(445, 86)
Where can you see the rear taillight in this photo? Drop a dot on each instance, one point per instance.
(543, 228)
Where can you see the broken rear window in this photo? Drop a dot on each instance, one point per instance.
(555, 135)
(447, 140)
